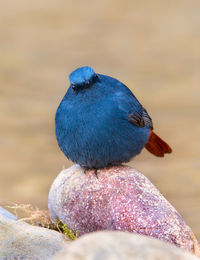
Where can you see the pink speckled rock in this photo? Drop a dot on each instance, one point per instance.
(119, 199)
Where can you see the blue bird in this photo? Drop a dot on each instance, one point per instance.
(100, 123)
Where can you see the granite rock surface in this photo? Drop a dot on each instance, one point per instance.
(120, 198)
(116, 245)
(19, 240)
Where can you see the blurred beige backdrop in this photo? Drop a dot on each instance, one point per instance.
(152, 46)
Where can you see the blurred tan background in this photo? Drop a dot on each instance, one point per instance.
(152, 46)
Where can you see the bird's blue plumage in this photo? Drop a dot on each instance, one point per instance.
(92, 121)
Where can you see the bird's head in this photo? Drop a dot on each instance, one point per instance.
(83, 78)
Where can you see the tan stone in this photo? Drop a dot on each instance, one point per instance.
(115, 245)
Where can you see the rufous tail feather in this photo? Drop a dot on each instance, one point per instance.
(157, 146)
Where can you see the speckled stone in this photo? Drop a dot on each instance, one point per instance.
(120, 198)
(116, 245)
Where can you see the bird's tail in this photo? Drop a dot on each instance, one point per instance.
(157, 146)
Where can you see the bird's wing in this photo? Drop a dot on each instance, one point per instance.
(147, 119)
(127, 102)
(141, 119)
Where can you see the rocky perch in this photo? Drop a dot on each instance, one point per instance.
(116, 245)
(120, 198)
(19, 240)
(132, 214)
